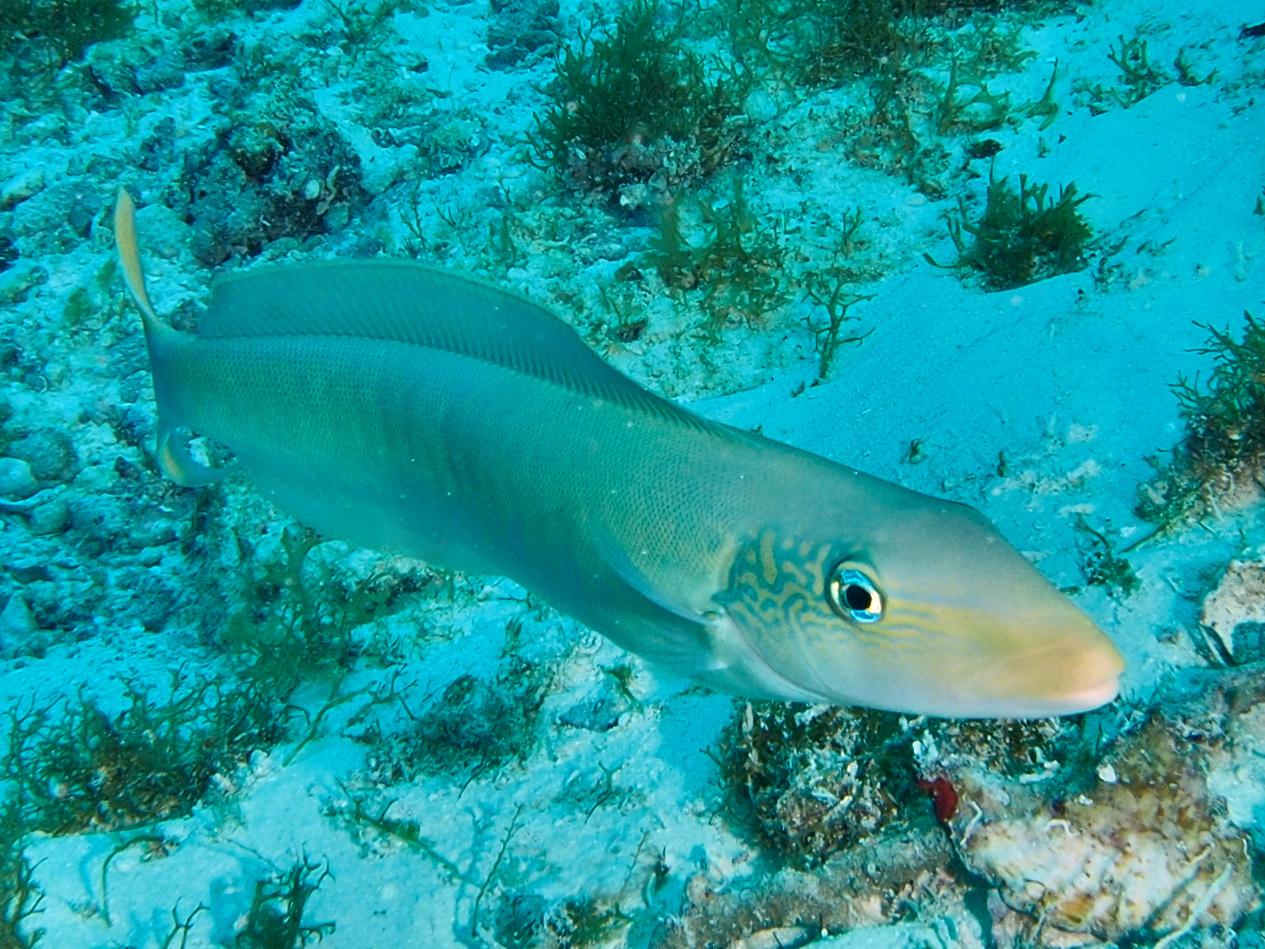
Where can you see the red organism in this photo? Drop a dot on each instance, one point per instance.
(944, 799)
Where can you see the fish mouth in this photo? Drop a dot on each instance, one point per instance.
(1061, 680)
(1091, 698)
(1030, 705)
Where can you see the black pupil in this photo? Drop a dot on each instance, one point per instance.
(857, 597)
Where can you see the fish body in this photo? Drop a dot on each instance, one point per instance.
(406, 408)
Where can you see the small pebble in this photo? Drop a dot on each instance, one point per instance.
(16, 481)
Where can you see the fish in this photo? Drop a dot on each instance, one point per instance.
(421, 412)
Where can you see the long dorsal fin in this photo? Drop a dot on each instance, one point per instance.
(412, 303)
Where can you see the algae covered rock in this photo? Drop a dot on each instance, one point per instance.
(810, 781)
(1143, 851)
(1235, 610)
(280, 172)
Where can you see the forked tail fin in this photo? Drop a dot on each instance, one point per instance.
(173, 448)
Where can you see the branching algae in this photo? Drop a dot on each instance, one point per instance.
(632, 103)
(78, 767)
(275, 918)
(1222, 453)
(1023, 236)
(718, 247)
(20, 898)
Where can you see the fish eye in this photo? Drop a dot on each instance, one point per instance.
(853, 595)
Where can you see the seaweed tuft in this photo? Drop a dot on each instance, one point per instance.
(78, 767)
(718, 247)
(20, 898)
(1023, 236)
(1139, 75)
(1103, 565)
(298, 620)
(1221, 456)
(829, 291)
(826, 42)
(275, 918)
(471, 728)
(632, 104)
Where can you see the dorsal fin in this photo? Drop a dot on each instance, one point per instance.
(412, 303)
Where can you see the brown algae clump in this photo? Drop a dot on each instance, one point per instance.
(810, 781)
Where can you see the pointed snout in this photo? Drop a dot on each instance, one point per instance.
(998, 639)
(1058, 665)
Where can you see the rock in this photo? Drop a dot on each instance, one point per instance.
(520, 28)
(892, 936)
(8, 252)
(109, 72)
(50, 454)
(24, 185)
(159, 75)
(1136, 857)
(16, 623)
(50, 517)
(337, 217)
(596, 714)
(16, 481)
(17, 283)
(1235, 610)
(57, 219)
(83, 212)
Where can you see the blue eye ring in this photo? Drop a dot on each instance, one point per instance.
(853, 594)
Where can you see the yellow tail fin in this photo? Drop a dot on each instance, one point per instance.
(129, 252)
(173, 449)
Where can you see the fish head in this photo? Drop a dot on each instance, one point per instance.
(925, 610)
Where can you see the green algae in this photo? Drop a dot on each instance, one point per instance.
(1023, 235)
(631, 102)
(1222, 451)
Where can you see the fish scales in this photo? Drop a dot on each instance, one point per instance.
(463, 464)
(410, 409)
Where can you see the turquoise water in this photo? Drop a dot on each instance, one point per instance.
(226, 730)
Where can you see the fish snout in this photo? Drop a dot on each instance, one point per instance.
(1073, 667)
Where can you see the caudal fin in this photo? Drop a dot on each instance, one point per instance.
(130, 255)
(173, 449)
